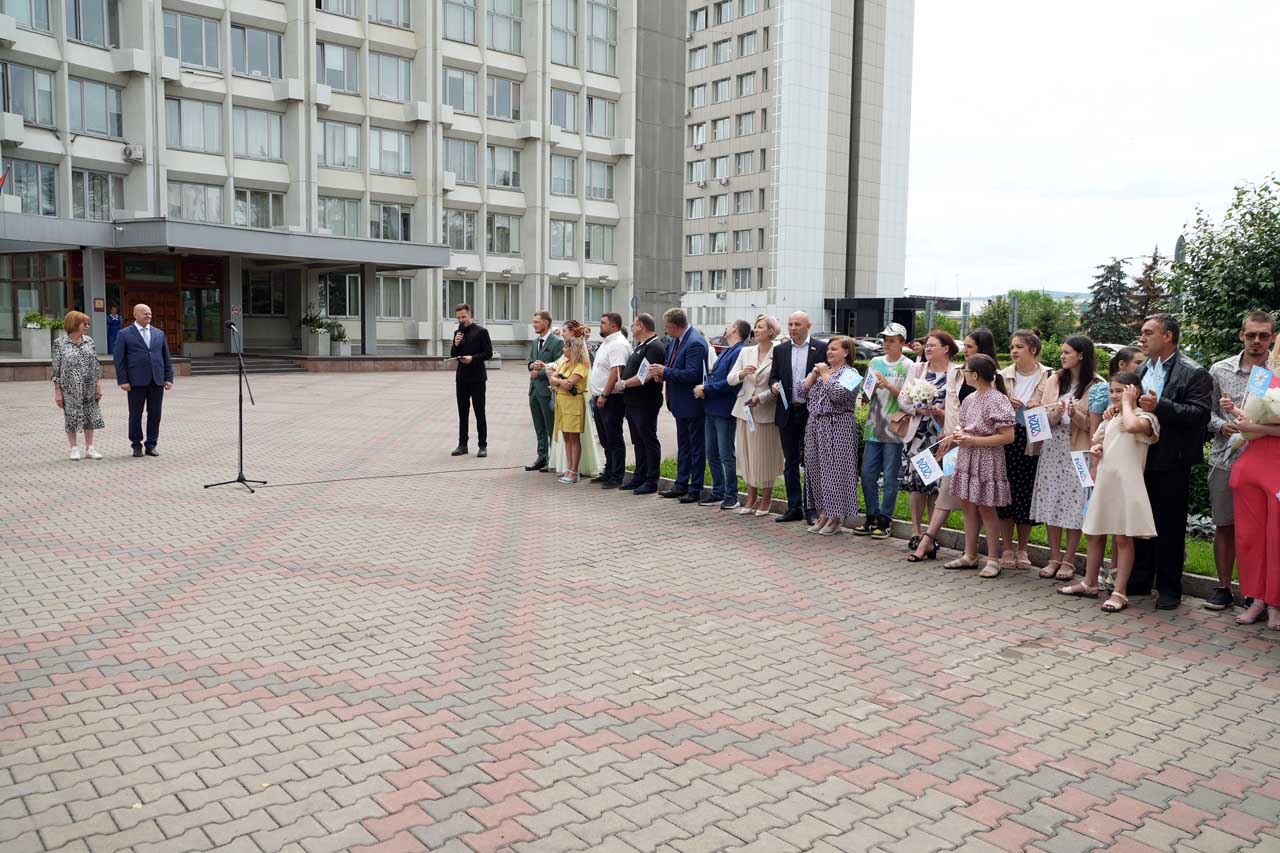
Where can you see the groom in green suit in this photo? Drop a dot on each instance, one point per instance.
(545, 350)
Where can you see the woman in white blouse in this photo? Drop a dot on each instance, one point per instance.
(759, 447)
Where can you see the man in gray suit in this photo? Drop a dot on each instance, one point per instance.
(544, 350)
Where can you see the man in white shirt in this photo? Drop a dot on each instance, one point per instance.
(605, 389)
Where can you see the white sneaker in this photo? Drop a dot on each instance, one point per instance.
(75, 453)
(92, 452)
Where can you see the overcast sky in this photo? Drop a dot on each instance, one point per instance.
(1047, 137)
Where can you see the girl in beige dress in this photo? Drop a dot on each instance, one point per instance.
(1119, 506)
(760, 459)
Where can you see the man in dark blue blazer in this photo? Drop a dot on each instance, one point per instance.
(718, 399)
(687, 358)
(792, 361)
(144, 370)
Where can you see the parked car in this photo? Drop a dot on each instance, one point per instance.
(867, 348)
(718, 343)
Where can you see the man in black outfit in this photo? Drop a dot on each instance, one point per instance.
(472, 348)
(643, 402)
(1179, 393)
(792, 362)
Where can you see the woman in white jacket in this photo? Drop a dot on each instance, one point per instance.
(759, 447)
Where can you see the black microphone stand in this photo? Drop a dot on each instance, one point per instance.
(244, 383)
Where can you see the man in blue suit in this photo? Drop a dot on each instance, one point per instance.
(144, 370)
(686, 367)
(718, 398)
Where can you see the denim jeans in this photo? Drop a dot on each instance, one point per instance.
(722, 455)
(879, 457)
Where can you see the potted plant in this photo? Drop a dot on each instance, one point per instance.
(37, 335)
(339, 343)
(315, 333)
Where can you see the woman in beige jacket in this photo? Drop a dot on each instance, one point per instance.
(760, 459)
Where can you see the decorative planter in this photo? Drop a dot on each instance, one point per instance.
(340, 348)
(315, 341)
(37, 344)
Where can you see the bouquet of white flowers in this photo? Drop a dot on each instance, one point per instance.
(918, 392)
(1264, 409)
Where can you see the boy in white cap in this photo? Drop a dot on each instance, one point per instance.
(882, 449)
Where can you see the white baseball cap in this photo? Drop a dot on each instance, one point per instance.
(895, 329)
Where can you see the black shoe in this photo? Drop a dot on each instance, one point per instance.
(137, 451)
(630, 484)
(883, 528)
(460, 451)
(538, 465)
(600, 478)
(1220, 600)
(644, 489)
(811, 518)
(609, 484)
(866, 528)
(482, 452)
(791, 515)
(673, 493)
(1168, 602)
(151, 451)
(710, 500)
(691, 497)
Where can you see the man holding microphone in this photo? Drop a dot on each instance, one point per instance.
(472, 348)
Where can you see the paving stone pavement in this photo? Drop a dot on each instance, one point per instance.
(381, 658)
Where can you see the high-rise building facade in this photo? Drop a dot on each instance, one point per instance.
(373, 161)
(797, 139)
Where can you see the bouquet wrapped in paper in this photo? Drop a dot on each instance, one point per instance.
(1264, 409)
(918, 392)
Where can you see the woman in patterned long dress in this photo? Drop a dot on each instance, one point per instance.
(1058, 500)
(936, 367)
(1024, 383)
(831, 440)
(77, 385)
(986, 428)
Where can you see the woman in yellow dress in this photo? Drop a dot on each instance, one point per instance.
(570, 382)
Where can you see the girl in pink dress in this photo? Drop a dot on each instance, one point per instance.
(986, 426)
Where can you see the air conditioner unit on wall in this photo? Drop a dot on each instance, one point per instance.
(134, 153)
(724, 182)
(697, 146)
(702, 183)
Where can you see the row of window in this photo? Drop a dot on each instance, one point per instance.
(502, 299)
(723, 128)
(722, 12)
(504, 26)
(502, 101)
(744, 163)
(503, 169)
(95, 22)
(722, 51)
(744, 201)
(716, 279)
(746, 240)
(503, 236)
(722, 90)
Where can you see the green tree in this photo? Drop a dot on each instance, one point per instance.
(1112, 313)
(1229, 269)
(1055, 318)
(994, 316)
(946, 324)
(1151, 295)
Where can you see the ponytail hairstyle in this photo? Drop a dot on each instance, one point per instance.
(1031, 340)
(1124, 356)
(986, 344)
(1088, 365)
(983, 365)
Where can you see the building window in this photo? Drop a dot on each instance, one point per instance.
(340, 294)
(504, 302)
(696, 171)
(460, 230)
(697, 58)
(191, 40)
(341, 216)
(389, 77)
(257, 134)
(744, 202)
(723, 12)
(764, 118)
(697, 96)
(393, 13)
(29, 14)
(747, 44)
(720, 205)
(719, 242)
(720, 167)
(390, 221)
(562, 301)
(395, 297)
(339, 144)
(693, 281)
(718, 279)
(338, 67)
(747, 84)
(721, 129)
(742, 279)
(598, 246)
(746, 123)
(695, 244)
(503, 98)
(456, 292)
(744, 162)
(601, 114)
(698, 133)
(27, 92)
(505, 19)
(564, 109)
(460, 90)
(602, 36)
(266, 295)
(97, 22)
(721, 91)
(599, 300)
(35, 184)
(95, 194)
(723, 51)
(564, 175)
(460, 158)
(195, 202)
(764, 79)
(742, 241)
(502, 167)
(599, 180)
(748, 7)
(390, 151)
(95, 108)
(258, 209)
(255, 52)
(564, 245)
(695, 208)
(502, 232)
(460, 20)
(193, 125)
(346, 8)
(564, 32)
(698, 20)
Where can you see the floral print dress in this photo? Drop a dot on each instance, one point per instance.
(980, 476)
(76, 371)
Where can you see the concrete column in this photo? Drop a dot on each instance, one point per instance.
(95, 287)
(235, 300)
(368, 310)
